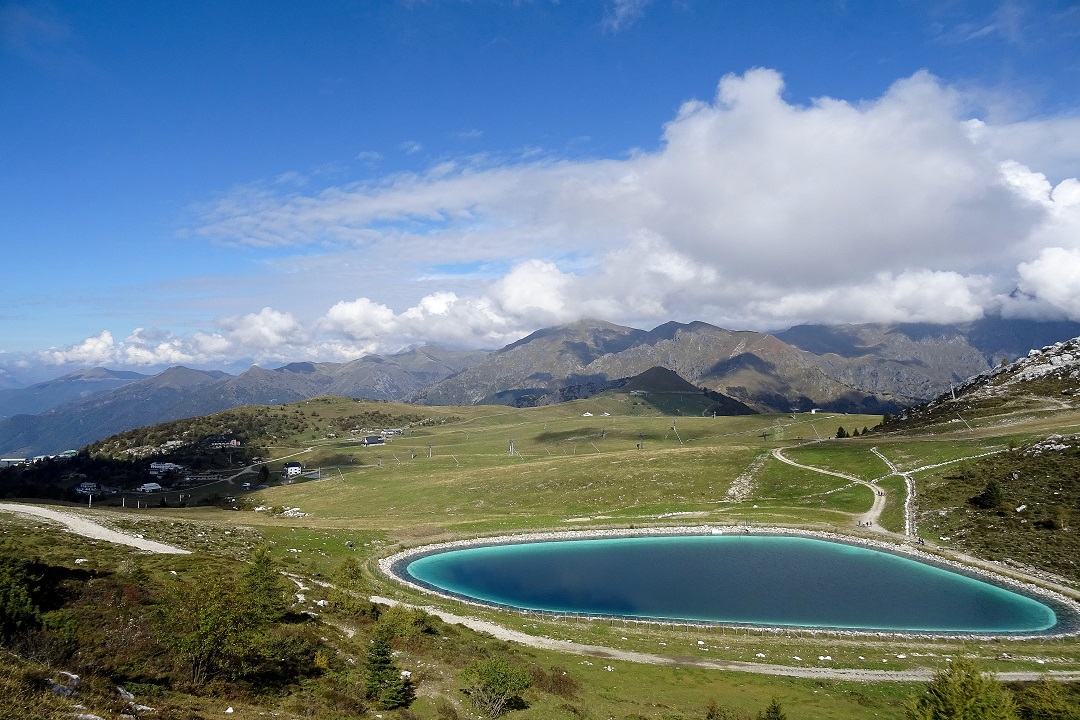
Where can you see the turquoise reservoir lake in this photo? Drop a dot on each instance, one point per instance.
(749, 579)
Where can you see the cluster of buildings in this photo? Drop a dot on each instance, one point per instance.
(181, 476)
(382, 436)
(221, 442)
(93, 489)
(12, 462)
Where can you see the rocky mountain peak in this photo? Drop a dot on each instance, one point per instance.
(1053, 370)
(1058, 362)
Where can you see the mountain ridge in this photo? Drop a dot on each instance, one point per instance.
(181, 392)
(43, 396)
(865, 368)
(1042, 375)
(858, 368)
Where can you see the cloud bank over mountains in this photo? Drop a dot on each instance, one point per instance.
(752, 213)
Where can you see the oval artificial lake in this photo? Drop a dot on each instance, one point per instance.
(765, 580)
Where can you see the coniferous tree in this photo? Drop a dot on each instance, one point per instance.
(385, 686)
(773, 712)
(991, 496)
(265, 587)
(962, 693)
(17, 609)
(1047, 700)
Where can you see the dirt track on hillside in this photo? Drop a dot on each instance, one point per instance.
(814, 673)
(90, 529)
(870, 519)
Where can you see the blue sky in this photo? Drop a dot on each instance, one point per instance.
(215, 184)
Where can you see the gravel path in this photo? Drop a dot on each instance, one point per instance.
(816, 673)
(909, 521)
(869, 519)
(909, 502)
(87, 528)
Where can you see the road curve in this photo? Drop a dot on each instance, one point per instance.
(872, 517)
(90, 529)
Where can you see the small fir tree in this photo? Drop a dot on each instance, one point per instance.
(265, 587)
(17, 609)
(991, 497)
(773, 712)
(962, 693)
(384, 685)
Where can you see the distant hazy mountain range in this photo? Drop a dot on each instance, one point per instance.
(7, 380)
(872, 368)
(181, 392)
(74, 386)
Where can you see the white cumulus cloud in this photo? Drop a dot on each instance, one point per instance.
(266, 329)
(140, 348)
(753, 212)
(438, 318)
(534, 291)
(91, 351)
(1054, 278)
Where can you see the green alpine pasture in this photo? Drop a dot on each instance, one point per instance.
(612, 461)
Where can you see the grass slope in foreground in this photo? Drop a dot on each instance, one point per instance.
(456, 477)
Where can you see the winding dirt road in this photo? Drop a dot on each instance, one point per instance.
(868, 519)
(815, 673)
(90, 529)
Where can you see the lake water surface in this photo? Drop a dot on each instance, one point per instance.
(752, 579)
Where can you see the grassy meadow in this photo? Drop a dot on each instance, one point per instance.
(610, 461)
